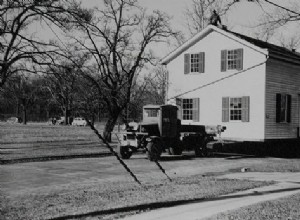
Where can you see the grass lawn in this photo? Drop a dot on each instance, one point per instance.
(286, 208)
(111, 197)
(38, 140)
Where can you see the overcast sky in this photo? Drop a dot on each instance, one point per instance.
(241, 17)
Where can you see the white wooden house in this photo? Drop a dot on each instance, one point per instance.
(249, 86)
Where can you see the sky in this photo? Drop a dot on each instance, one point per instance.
(241, 18)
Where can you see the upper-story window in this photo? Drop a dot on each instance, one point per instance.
(231, 60)
(194, 63)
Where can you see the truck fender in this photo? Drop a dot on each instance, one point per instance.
(153, 139)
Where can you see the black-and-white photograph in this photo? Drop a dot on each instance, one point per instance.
(149, 109)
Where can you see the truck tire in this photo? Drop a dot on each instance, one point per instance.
(201, 149)
(153, 151)
(176, 150)
(124, 152)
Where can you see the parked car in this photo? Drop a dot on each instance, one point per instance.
(79, 122)
(51, 121)
(61, 120)
(13, 120)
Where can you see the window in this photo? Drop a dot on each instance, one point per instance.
(231, 60)
(151, 112)
(283, 108)
(194, 63)
(188, 109)
(236, 109)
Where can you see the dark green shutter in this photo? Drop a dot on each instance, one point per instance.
(245, 109)
(196, 102)
(201, 62)
(225, 109)
(278, 107)
(239, 62)
(289, 105)
(187, 63)
(223, 60)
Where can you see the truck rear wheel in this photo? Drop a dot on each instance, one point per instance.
(124, 151)
(153, 151)
(201, 149)
(175, 150)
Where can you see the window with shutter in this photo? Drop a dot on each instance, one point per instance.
(283, 108)
(236, 109)
(223, 60)
(231, 60)
(225, 109)
(201, 62)
(186, 63)
(190, 109)
(194, 63)
(196, 109)
(245, 109)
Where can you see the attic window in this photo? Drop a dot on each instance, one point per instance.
(194, 63)
(231, 60)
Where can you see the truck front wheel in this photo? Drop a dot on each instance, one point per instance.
(124, 151)
(153, 151)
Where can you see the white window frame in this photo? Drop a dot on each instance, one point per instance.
(194, 62)
(187, 112)
(232, 59)
(237, 108)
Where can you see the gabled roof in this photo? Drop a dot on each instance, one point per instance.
(273, 49)
(260, 46)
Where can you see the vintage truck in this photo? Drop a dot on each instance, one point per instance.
(161, 130)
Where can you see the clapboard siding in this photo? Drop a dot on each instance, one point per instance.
(281, 77)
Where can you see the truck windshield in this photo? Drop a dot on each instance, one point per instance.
(151, 112)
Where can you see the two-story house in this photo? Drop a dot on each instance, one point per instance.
(249, 86)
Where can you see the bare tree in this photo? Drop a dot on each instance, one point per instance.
(18, 43)
(276, 18)
(291, 42)
(157, 84)
(118, 38)
(198, 14)
(23, 92)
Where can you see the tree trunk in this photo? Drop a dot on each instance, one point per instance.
(24, 115)
(109, 127)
